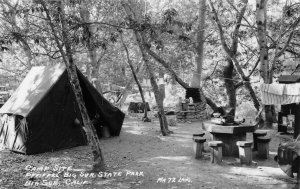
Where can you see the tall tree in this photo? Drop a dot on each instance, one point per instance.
(93, 65)
(142, 46)
(232, 61)
(265, 72)
(261, 21)
(157, 93)
(145, 118)
(63, 42)
(200, 41)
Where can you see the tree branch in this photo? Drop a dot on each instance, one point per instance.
(237, 27)
(239, 84)
(219, 26)
(213, 70)
(59, 45)
(211, 103)
(166, 65)
(256, 64)
(231, 4)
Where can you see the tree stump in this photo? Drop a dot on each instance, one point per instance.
(257, 133)
(200, 134)
(198, 146)
(245, 152)
(216, 151)
(263, 147)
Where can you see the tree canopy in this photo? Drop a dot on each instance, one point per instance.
(231, 69)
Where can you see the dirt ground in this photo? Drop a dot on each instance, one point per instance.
(142, 158)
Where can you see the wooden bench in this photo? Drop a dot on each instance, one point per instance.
(216, 151)
(198, 146)
(263, 147)
(245, 151)
(257, 133)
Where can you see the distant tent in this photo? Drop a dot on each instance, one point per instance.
(42, 114)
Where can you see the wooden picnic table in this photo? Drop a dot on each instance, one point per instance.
(229, 135)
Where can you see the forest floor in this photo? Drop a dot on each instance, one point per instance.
(142, 158)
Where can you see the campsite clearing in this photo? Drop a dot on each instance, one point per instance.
(141, 158)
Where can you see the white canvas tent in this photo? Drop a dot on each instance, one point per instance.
(287, 94)
(280, 93)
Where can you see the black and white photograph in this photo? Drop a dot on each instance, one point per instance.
(149, 94)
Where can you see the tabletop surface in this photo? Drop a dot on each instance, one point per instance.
(227, 129)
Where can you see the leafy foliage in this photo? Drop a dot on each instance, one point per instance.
(170, 29)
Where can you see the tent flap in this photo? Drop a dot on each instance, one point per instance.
(110, 115)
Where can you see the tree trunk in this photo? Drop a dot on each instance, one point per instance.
(145, 118)
(159, 101)
(265, 73)
(200, 39)
(141, 43)
(92, 68)
(67, 56)
(230, 89)
(161, 84)
(28, 53)
(261, 22)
